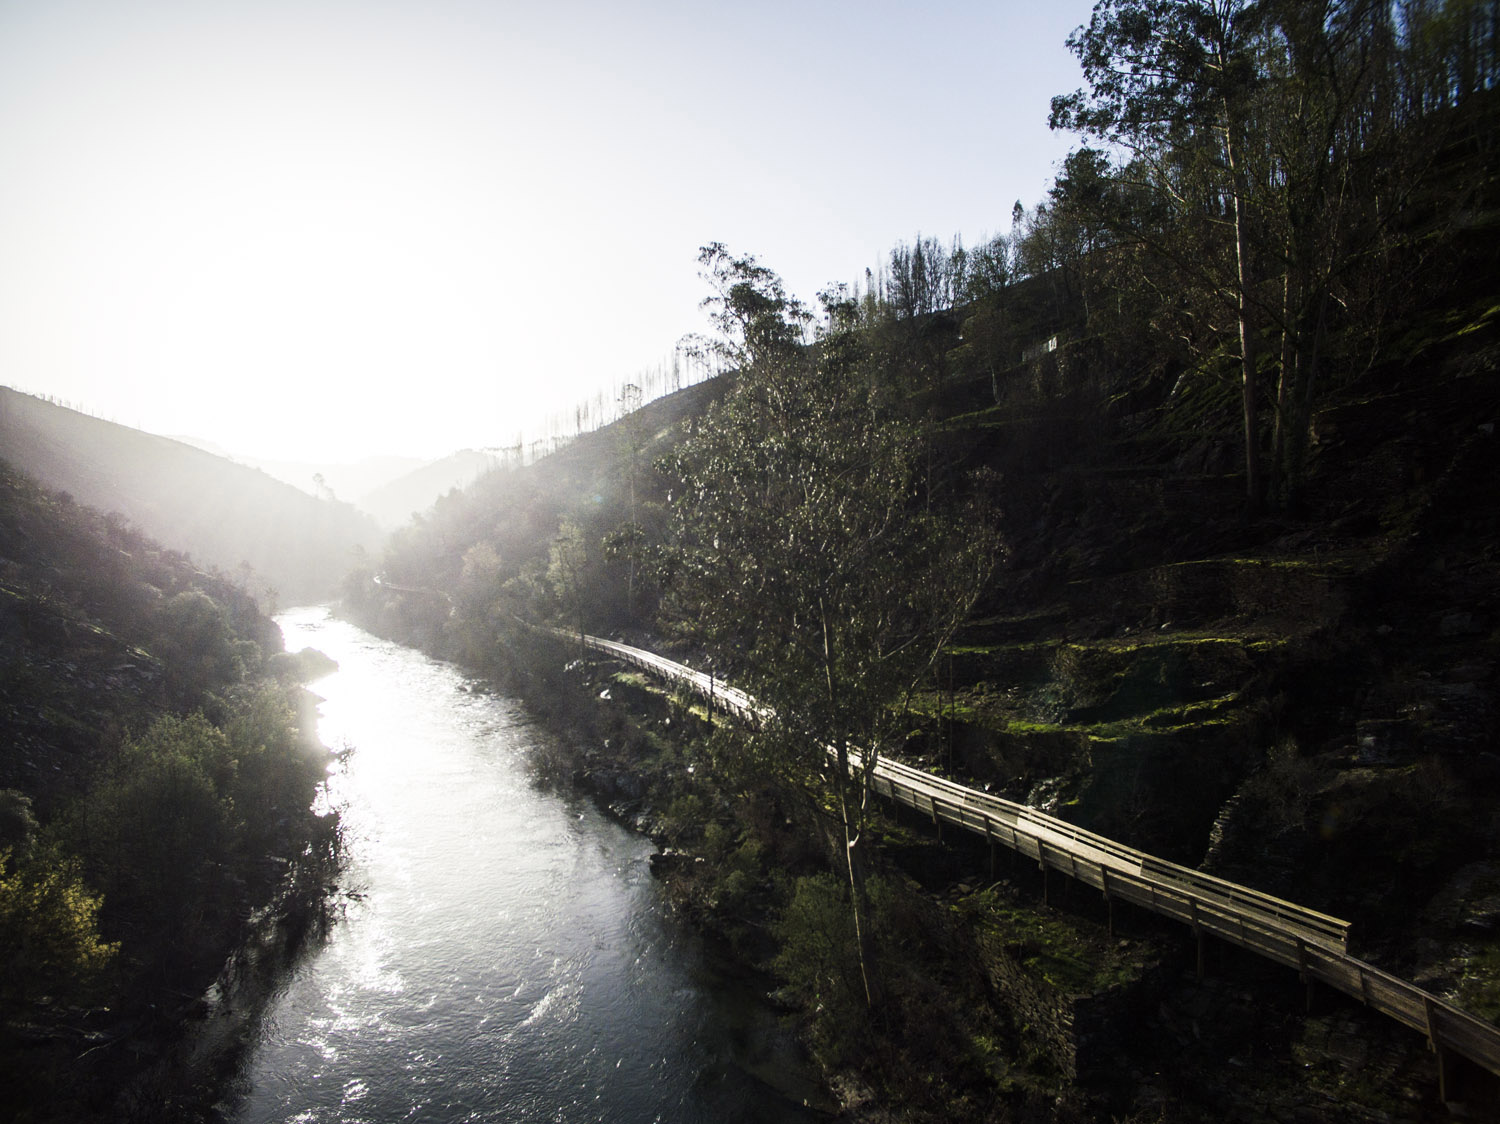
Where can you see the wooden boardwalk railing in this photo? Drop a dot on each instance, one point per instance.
(1313, 943)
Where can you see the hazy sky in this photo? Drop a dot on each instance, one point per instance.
(323, 229)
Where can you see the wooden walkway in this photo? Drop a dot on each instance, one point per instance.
(1313, 943)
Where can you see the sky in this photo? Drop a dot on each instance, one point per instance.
(330, 229)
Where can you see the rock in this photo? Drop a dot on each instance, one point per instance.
(1459, 624)
(665, 861)
(1382, 741)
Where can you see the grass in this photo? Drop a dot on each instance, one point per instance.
(1202, 714)
(1479, 987)
(1049, 946)
(1445, 328)
(1130, 642)
(1207, 712)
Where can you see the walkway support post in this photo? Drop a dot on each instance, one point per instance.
(1447, 1061)
(1303, 973)
(989, 837)
(1197, 932)
(1109, 902)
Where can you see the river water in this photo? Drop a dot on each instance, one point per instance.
(505, 954)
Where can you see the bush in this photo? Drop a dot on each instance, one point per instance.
(820, 963)
(49, 934)
(293, 668)
(161, 816)
(196, 641)
(18, 825)
(275, 774)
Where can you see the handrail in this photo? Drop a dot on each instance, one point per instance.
(1128, 861)
(1314, 943)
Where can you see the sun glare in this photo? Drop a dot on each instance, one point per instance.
(325, 227)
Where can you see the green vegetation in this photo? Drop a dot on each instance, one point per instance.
(1055, 949)
(158, 794)
(805, 544)
(184, 799)
(50, 947)
(278, 542)
(1227, 398)
(1479, 988)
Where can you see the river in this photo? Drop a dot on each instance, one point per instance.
(505, 954)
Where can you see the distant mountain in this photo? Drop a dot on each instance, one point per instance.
(345, 479)
(225, 515)
(390, 488)
(394, 503)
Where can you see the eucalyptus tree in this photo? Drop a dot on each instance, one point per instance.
(627, 541)
(756, 322)
(989, 274)
(569, 572)
(803, 543)
(1322, 148)
(1278, 147)
(1173, 82)
(926, 277)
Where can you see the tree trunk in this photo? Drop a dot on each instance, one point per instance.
(859, 899)
(1250, 397)
(1285, 390)
(851, 821)
(1308, 361)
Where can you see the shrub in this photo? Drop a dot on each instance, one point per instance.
(196, 641)
(18, 826)
(275, 774)
(820, 963)
(49, 935)
(161, 816)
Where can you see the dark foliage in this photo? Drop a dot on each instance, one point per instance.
(158, 791)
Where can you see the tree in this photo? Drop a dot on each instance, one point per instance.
(1172, 82)
(567, 570)
(990, 271)
(49, 932)
(196, 640)
(628, 541)
(749, 308)
(1363, 111)
(162, 819)
(1276, 150)
(804, 546)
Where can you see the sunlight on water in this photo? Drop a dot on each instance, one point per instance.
(504, 954)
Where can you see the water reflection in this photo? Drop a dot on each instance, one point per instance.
(504, 954)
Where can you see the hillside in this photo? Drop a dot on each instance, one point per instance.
(157, 776)
(222, 514)
(344, 479)
(1305, 701)
(390, 489)
(512, 514)
(394, 502)
(1171, 513)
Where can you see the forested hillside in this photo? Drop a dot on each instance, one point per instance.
(270, 536)
(157, 782)
(1171, 512)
